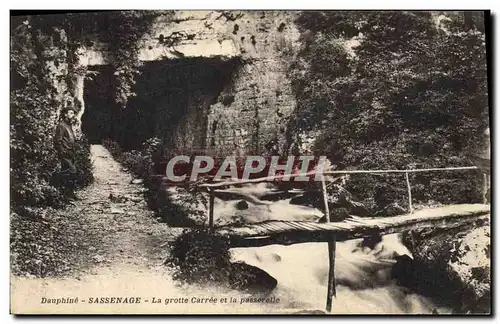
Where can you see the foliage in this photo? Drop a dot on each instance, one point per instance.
(34, 101)
(200, 256)
(122, 31)
(113, 148)
(185, 205)
(83, 163)
(125, 30)
(404, 95)
(51, 244)
(139, 162)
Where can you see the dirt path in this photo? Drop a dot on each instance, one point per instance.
(115, 212)
(121, 247)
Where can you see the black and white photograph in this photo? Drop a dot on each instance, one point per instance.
(250, 162)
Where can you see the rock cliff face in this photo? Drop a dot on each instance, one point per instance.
(251, 110)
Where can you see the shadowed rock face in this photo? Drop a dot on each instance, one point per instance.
(339, 204)
(452, 265)
(251, 279)
(249, 111)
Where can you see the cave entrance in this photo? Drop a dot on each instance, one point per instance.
(172, 103)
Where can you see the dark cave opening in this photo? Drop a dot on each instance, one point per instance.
(172, 102)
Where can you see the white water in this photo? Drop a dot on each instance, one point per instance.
(363, 277)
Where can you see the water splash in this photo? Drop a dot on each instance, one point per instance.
(363, 277)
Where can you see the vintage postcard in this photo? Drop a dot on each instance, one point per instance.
(250, 162)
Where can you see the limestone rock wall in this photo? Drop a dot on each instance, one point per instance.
(251, 112)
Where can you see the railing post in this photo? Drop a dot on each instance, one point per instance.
(325, 198)
(409, 192)
(210, 209)
(331, 292)
(485, 188)
(331, 275)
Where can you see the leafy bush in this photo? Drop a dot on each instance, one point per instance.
(139, 162)
(187, 210)
(408, 95)
(113, 148)
(200, 256)
(83, 163)
(34, 103)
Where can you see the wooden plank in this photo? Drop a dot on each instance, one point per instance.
(293, 225)
(442, 223)
(334, 227)
(342, 225)
(309, 226)
(288, 232)
(249, 231)
(331, 253)
(326, 227)
(260, 228)
(356, 221)
(356, 225)
(399, 171)
(485, 188)
(276, 227)
(294, 237)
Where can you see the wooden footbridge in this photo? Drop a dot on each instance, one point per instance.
(291, 232)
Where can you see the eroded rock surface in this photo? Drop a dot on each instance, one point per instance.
(452, 262)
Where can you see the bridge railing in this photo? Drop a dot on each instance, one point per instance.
(213, 186)
(331, 289)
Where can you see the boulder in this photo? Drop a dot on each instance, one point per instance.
(309, 198)
(250, 279)
(341, 199)
(392, 209)
(241, 205)
(452, 265)
(336, 215)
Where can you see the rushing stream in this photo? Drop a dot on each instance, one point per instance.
(363, 275)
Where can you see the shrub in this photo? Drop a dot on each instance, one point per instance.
(83, 163)
(113, 148)
(186, 211)
(377, 106)
(34, 102)
(200, 256)
(139, 162)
